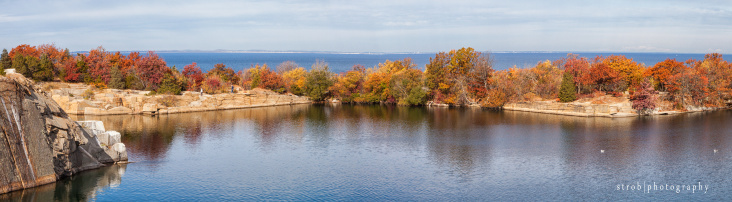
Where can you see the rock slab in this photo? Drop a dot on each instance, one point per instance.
(39, 143)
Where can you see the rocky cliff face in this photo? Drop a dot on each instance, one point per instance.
(38, 142)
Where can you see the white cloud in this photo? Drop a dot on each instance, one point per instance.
(378, 25)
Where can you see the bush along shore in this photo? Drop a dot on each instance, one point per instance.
(602, 86)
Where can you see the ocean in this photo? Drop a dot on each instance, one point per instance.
(344, 62)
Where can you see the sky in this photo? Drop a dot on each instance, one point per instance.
(371, 26)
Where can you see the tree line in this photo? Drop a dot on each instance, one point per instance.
(457, 78)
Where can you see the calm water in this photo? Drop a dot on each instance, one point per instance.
(344, 62)
(377, 153)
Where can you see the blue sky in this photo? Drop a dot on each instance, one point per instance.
(372, 26)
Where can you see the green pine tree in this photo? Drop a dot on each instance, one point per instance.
(567, 91)
(44, 70)
(116, 80)
(5, 61)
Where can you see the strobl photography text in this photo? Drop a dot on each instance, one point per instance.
(654, 187)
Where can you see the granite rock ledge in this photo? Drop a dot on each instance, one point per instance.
(40, 144)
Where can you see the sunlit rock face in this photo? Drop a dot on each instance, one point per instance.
(39, 143)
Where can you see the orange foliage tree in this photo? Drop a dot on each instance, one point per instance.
(663, 70)
(448, 76)
(348, 85)
(630, 73)
(579, 68)
(718, 72)
(604, 77)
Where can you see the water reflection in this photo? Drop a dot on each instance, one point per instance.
(82, 187)
(462, 138)
(508, 152)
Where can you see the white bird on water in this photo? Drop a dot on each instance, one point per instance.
(715, 151)
(603, 151)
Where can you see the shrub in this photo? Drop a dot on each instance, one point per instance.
(171, 85)
(168, 100)
(495, 99)
(416, 96)
(132, 82)
(88, 94)
(213, 85)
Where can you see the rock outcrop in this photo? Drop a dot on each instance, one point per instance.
(80, 99)
(39, 143)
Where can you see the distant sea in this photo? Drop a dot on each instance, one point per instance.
(344, 62)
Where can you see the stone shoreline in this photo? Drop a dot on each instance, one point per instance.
(71, 98)
(615, 110)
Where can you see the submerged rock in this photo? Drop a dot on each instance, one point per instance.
(39, 143)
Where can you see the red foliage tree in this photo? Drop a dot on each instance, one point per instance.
(603, 76)
(151, 70)
(271, 80)
(128, 63)
(70, 72)
(579, 68)
(98, 65)
(687, 87)
(194, 75)
(644, 98)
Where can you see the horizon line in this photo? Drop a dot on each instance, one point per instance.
(383, 53)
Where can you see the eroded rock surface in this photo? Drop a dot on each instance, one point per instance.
(80, 99)
(39, 143)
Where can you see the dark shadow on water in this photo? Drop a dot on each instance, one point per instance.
(81, 187)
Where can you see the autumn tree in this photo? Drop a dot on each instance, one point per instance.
(252, 77)
(24, 50)
(604, 78)
(629, 72)
(69, 71)
(195, 76)
(687, 87)
(376, 87)
(436, 77)
(213, 85)
(226, 74)
(644, 98)
(566, 91)
(547, 77)
(295, 80)
(151, 69)
(448, 76)
(718, 72)
(480, 76)
(99, 66)
(269, 79)
(348, 85)
(579, 68)
(128, 64)
(406, 87)
(317, 81)
(286, 66)
(662, 71)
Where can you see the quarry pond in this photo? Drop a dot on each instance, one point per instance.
(385, 152)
